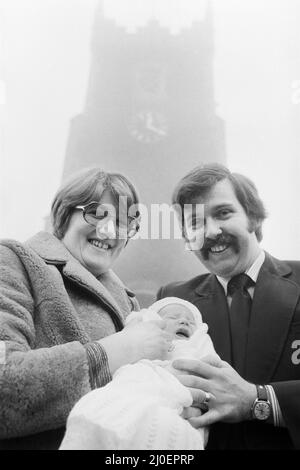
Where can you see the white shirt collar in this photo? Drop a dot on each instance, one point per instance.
(252, 272)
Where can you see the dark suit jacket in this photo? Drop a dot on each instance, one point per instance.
(274, 327)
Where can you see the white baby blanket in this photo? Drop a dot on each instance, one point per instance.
(141, 407)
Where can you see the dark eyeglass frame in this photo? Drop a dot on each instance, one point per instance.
(131, 231)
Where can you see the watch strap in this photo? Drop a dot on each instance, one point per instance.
(262, 393)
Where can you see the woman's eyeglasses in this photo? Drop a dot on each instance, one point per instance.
(93, 213)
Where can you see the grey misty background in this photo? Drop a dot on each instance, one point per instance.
(150, 89)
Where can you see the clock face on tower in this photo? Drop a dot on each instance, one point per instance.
(148, 126)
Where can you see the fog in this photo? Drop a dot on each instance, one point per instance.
(46, 57)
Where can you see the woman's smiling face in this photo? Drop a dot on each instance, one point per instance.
(94, 248)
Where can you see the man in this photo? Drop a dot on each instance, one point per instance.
(250, 302)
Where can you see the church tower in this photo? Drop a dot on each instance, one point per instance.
(149, 114)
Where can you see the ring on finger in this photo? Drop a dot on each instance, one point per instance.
(207, 397)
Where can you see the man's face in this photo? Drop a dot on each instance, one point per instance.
(229, 245)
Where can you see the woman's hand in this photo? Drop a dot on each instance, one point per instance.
(147, 340)
(140, 340)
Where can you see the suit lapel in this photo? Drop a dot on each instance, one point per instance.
(212, 304)
(274, 302)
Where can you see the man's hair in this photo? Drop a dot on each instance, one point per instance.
(199, 181)
(84, 187)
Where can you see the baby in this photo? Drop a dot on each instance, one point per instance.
(141, 407)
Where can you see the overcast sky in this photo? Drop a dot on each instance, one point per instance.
(45, 59)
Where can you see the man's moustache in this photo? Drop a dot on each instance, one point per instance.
(221, 240)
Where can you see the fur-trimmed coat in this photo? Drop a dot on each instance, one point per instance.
(50, 305)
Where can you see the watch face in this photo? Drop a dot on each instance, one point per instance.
(262, 410)
(148, 126)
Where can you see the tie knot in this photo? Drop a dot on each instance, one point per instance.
(240, 282)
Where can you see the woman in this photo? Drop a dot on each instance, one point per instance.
(62, 310)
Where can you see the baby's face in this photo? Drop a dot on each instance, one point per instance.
(179, 320)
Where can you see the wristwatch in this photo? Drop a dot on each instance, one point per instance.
(261, 408)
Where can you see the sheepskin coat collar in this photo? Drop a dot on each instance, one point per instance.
(110, 289)
(50, 307)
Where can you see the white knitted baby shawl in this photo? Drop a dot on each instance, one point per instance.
(141, 407)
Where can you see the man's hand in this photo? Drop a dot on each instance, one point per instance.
(231, 397)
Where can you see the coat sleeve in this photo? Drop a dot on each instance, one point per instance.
(38, 387)
(288, 396)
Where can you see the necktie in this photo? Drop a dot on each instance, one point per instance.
(240, 309)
